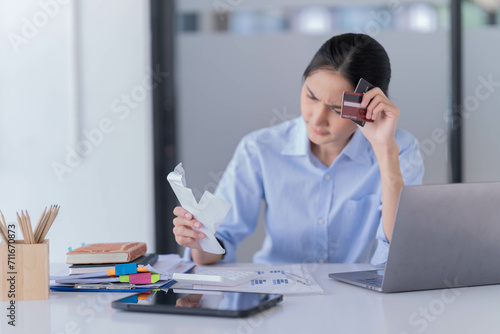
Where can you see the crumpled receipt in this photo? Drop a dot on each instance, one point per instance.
(210, 211)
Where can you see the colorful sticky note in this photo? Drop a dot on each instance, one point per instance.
(142, 270)
(155, 278)
(126, 268)
(143, 296)
(142, 278)
(131, 299)
(111, 272)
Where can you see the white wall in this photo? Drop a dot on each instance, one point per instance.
(108, 196)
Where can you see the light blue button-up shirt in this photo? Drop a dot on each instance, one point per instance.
(314, 213)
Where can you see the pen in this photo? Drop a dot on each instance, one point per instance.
(297, 278)
(104, 286)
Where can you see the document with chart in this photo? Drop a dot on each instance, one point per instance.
(283, 279)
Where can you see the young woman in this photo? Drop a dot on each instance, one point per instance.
(331, 187)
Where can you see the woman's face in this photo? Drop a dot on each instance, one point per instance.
(321, 99)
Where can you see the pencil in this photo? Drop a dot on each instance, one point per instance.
(39, 231)
(47, 227)
(25, 231)
(49, 224)
(30, 228)
(25, 223)
(21, 225)
(25, 226)
(3, 228)
(2, 218)
(3, 235)
(39, 224)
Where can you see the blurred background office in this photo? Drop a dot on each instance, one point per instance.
(100, 99)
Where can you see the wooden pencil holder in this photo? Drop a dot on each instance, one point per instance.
(25, 271)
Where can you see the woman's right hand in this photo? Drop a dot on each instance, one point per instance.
(183, 229)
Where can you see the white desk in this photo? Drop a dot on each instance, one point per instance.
(342, 309)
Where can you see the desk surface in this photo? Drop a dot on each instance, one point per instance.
(343, 309)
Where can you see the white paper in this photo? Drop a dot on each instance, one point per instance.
(210, 211)
(165, 265)
(271, 279)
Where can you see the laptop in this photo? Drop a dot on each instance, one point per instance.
(445, 236)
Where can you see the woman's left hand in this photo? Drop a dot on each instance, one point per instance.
(385, 116)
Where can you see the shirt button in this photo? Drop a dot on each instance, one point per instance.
(321, 261)
(328, 177)
(321, 221)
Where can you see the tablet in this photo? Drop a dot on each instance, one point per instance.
(196, 302)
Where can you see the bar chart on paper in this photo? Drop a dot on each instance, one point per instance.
(274, 279)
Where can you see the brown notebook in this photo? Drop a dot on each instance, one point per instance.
(119, 252)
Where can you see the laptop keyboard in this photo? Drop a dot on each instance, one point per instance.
(377, 281)
(368, 278)
(374, 279)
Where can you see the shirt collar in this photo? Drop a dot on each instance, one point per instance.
(358, 148)
(298, 140)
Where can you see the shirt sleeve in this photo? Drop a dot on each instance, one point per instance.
(412, 169)
(240, 185)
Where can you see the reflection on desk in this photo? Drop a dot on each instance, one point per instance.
(342, 308)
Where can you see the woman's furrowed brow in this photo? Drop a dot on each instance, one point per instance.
(330, 106)
(310, 91)
(334, 107)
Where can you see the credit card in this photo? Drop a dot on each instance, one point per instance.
(362, 87)
(351, 108)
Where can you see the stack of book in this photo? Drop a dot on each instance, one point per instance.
(116, 266)
(102, 257)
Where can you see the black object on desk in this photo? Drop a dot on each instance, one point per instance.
(196, 302)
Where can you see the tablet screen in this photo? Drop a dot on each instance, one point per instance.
(212, 303)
